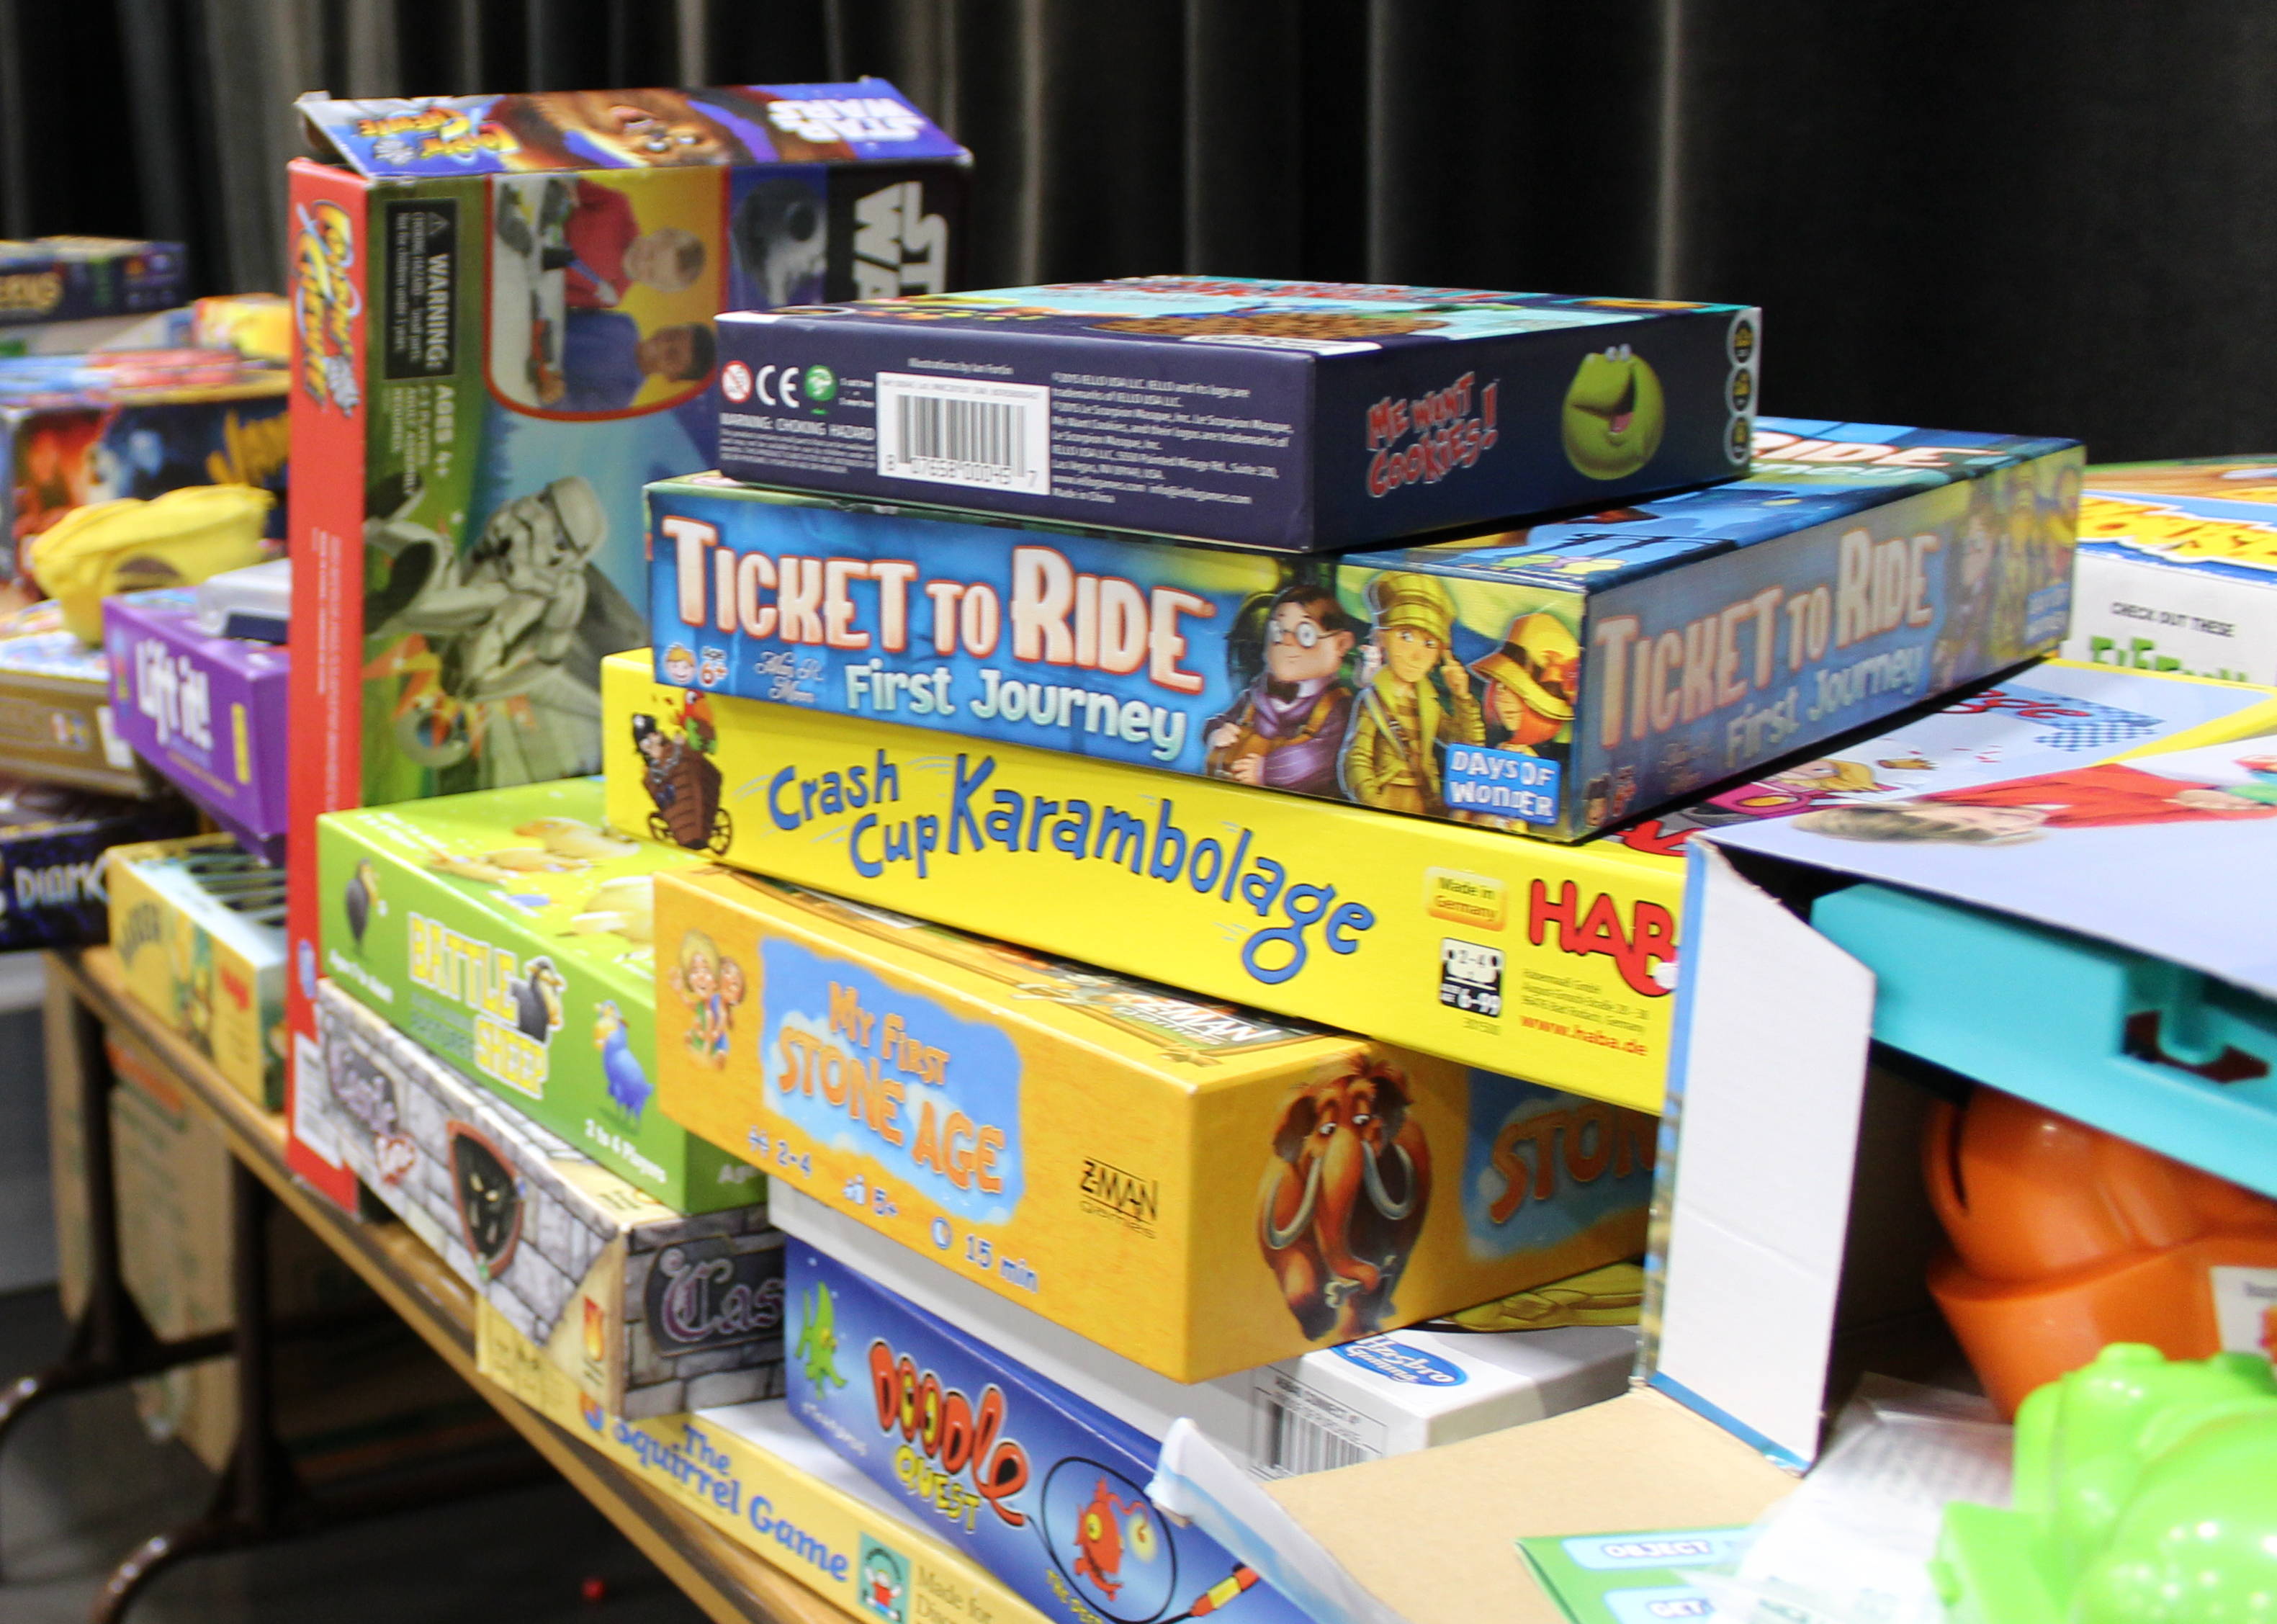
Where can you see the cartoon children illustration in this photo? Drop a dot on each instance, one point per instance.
(680, 665)
(731, 994)
(1392, 759)
(1530, 682)
(1285, 729)
(2109, 795)
(695, 980)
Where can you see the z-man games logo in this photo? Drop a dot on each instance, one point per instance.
(327, 303)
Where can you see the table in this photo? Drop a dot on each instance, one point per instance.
(727, 1581)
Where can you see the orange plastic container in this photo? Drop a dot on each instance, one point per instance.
(2066, 1238)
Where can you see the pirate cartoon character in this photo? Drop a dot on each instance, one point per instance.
(1284, 731)
(1418, 699)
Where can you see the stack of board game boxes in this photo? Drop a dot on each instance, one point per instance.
(505, 327)
(1194, 906)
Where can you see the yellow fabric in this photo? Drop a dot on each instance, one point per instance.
(177, 539)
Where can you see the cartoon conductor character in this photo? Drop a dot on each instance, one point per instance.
(2111, 795)
(1391, 758)
(1285, 729)
(1530, 682)
(1343, 1198)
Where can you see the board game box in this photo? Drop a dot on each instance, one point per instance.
(206, 712)
(1194, 1185)
(78, 278)
(2178, 568)
(1551, 680)
(648, 1312)
(1043, 1489)
(76, 430)
(1290, 416)
(52, 841)
(511, 935)
(198, 925)
(503, 327)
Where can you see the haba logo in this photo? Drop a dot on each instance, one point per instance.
(1344, 1198)
(327, 304)
(1643, 945)
(2173, 533)
(517, 1006)
(898, 247)
(953, 1453)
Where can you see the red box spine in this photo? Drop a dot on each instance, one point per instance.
(331, 291)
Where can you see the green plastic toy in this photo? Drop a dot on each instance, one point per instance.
(2145, 1493)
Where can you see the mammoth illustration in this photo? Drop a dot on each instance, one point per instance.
(1344, 1198)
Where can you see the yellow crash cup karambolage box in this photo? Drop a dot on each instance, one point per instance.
(1553, 963)
(1197, 1187)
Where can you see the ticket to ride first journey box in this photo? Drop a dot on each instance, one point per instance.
(1551, 680)
(1196, 1187)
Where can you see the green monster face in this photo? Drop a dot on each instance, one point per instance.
(1614, 415)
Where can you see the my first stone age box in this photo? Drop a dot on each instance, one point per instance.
(1291, 415)
(647, 1312)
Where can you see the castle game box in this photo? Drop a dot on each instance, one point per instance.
(1194, 1185)
(503, 327)
(648, 1312)
(1551, 680)
(1291, 415)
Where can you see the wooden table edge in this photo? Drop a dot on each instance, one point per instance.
(728, 1582)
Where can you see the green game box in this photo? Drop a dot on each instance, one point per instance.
(509, 934)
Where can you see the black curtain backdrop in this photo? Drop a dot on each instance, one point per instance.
(2048, 216)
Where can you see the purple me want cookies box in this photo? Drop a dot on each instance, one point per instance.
(207, 713)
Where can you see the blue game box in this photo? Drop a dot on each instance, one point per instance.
(1042, 1489)
(1551, 681)
(1293, 415)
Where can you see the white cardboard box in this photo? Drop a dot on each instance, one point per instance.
(1384, 1395)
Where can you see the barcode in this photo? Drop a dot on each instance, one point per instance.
(964, 432)
(1291, 1444)
(972, 433)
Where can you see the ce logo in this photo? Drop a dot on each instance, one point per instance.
(787, 389)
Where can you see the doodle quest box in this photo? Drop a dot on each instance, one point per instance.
(1291, 415)
(207, 712)
(651, 1313)
(509, 934)
(1195, 1186)
(503, 311)
(1045, 1490)
(1551, 680)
